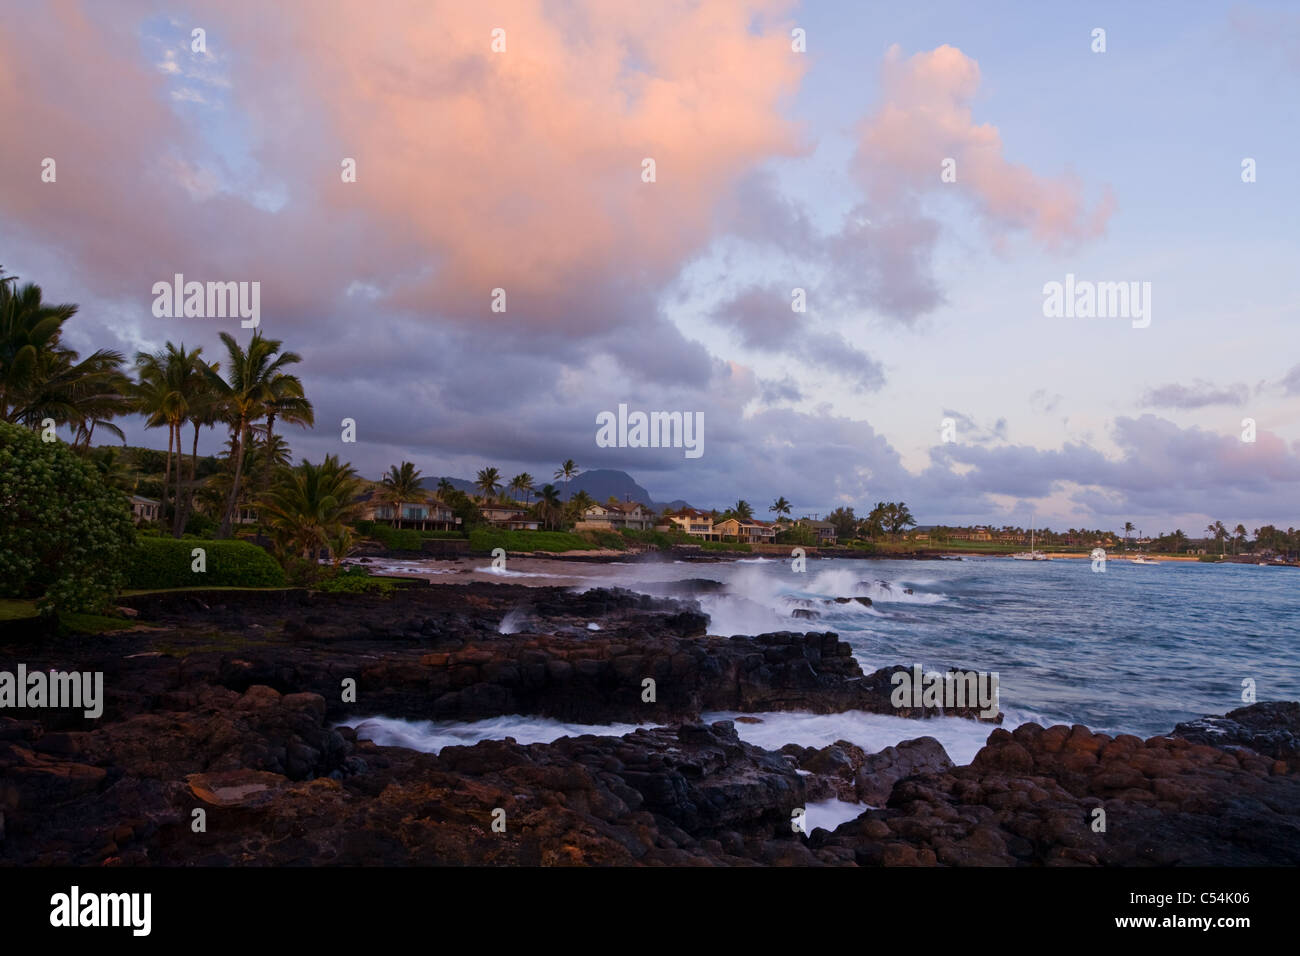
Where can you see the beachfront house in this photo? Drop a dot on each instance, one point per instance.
(509, 517)
(823, 531)
(698, 524)
(428, 515)
(616, 516)
(746, 531)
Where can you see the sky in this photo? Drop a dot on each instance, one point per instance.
(920, 171)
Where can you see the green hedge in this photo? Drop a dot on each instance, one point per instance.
(484, 539)
(724, 546)
(168, 562)
(402, 539)
(660, 539)
(356, 580)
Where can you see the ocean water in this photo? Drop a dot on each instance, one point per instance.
(1135, 649)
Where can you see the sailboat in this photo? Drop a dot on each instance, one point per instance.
(1031, 554)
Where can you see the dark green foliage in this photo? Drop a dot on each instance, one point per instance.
(167, 563)
(64, 533)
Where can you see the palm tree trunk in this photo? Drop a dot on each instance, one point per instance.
(270, 451)
(194, 471)
(167, 473)
(178, 522)
(228, 519)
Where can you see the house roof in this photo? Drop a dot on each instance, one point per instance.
(622, 507)
(689, 513)
(513, 509)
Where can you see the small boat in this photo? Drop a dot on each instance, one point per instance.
(1142, 561)
(1031, 554)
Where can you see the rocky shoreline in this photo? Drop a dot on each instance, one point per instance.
(235, 704)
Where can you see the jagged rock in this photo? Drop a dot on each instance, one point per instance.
(1270, 728)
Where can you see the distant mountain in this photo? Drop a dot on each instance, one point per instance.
(460, 484)
(600, 483)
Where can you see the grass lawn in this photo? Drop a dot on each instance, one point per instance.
(21, 609)
(16, 609)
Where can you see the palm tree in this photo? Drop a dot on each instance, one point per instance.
(1128, 533)
(548, 504)
(899, 517)
(522, 483)
(781, 507)
(84, 394)
(172, 383)
(252, 375)
(488, 482)
(309, 506)
(566, 471)
(205, 411)
(288, 404)
(401, 485)
(1239, 536)
(29, 328)
(341, 543)
(742, 510)
(445, 488)
(578, 505)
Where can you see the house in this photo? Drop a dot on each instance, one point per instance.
(143, 509)
(747, 530)
(616, 516)
(824, 531)
(698, 524)
(428, 515)
(509, 517)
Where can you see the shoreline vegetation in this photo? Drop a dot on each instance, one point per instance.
(122, 517)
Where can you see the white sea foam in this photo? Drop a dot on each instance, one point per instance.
(513, 622)
(430, 736)
(507, 573)
(828, 814)
(961, 738)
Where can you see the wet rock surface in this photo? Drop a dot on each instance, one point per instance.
(232, 709)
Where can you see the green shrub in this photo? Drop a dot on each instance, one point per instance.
(401, 539)
(356, 580)
(724, 546)
(64, 534)
(607, 539)
(200, 525)
(485, 539)
(660, 539)
(157, 563)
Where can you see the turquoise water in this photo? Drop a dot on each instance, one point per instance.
(1135, 649)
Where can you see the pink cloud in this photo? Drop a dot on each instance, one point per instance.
(476, 169)
(925, 117)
